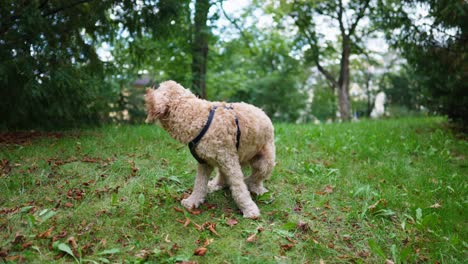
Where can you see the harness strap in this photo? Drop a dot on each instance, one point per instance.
(193, 144)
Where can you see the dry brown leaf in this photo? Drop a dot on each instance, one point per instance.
(18, 238)
(143, 254)
(207, 242)
(212, 227)
(195, 211)
(26, 245)
(328, 189)
(436, 205)
(286, 247)
(177, 209)
(373, 206)
(200, 251)
(304, 227)
(45, 234)
(68, 204)
(71, 240)
(197, 226)
(232, 222)
(387, 261)
(251, 238)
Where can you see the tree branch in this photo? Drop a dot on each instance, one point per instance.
(340, 17)
(58, 9)
(313, 45)
(241, 31)
(361, 12)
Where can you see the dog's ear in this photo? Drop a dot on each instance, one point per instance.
(156, 105)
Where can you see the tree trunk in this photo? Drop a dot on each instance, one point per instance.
(343, 82)
(200, 48)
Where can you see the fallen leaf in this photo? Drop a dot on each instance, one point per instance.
(68, 204)
(177, 209)
(143, 254)
(207, 242)
(304, 227)
(87, 248)
(387, 261)
(232, 222)
(46, 233)
(286, 247)
(200, 251)
(436, 205)
(363, 254)
(62, 234)
(13, 258)
(211, 227)
(71, 240)
(373, 206)
(18, 239)
(197, 226)
(322, 261)
(328, 189)
(251, 238)
(195, 211)
(175, 247)
(187, 222)
(26, 245)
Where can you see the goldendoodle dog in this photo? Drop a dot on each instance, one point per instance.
(220, 135)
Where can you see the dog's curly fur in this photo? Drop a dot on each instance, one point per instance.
(183, 115)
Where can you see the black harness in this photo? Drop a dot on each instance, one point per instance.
(193, 144)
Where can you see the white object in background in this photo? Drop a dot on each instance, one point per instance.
(379, 105)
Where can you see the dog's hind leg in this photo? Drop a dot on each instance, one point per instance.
(262, 165)
(217, 183)
(235, 179)
(200, 188)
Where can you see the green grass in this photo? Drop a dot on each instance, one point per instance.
(358, 192)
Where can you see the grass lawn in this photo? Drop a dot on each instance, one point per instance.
(362, 192)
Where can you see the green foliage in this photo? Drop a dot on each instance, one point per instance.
(265, 75)
(50, 73)
(435, 50)
(402, 88)
(324, 105)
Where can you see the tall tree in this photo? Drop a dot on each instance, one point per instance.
(50, 72)
(436, 50)
(347, 19)
(200, 47)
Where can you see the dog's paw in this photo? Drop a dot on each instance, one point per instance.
(252, 213)
(191, 203)
(213, 186)
(257, 190)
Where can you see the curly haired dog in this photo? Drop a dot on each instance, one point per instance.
(235, 135)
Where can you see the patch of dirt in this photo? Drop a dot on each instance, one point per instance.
(25, 137)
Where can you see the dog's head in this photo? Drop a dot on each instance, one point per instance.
(156, 105)
(158, 100)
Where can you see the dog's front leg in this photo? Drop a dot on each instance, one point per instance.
(200, 188)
